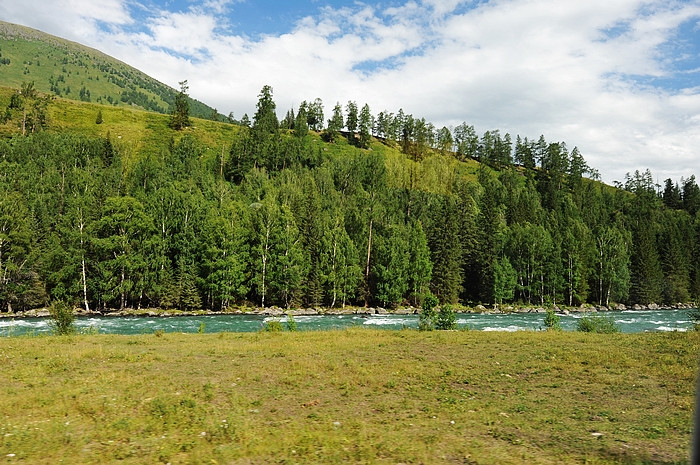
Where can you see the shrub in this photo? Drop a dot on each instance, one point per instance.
(551, 321)
(446, 318)
(291, 323)
(426, 319)
(62, 318)
(272, 326)
(597, 324)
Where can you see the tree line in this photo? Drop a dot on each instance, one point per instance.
(279, 221)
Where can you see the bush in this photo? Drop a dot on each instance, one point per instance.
(597, 324)
(446, 318)
(551, 321)
(272, 326)
(62, 318)
(426, 319)
(291, 323)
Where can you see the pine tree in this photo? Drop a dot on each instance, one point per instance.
(391, 265)
(446, 250)
(365, 127)
(420, 267)
(335, 124)
(180, 115)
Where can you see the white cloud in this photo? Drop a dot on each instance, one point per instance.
(528, 67)
(70, 19)
(185, 33)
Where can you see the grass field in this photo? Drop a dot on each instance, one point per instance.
(352, 396)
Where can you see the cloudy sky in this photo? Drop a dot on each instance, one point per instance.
(620, 79)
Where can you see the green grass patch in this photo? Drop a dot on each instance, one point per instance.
(349, 396)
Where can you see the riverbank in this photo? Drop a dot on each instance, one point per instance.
(281, 312)
(352, 396)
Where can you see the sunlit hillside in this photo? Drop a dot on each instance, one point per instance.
(66, 69)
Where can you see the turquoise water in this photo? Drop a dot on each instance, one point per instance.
(630, 321)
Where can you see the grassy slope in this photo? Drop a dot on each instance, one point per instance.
(349, 396)
(134, 131)
(36, 56)
(137, 133)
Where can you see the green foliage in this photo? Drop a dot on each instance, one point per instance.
(335, 124)
(265, 121)
(446, 318)
(28, 109)
(291, 323)
(62, 318)
(427, 316)
(228, 215)
(180, 115)
(551, 321)
(99, 119)
(597, 324)
(273, 326)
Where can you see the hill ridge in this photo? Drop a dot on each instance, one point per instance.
(75, 71)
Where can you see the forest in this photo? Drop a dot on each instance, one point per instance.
(358, 209)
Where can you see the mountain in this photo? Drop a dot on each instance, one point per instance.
(70, 70)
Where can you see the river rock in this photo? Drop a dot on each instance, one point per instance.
(405, 311)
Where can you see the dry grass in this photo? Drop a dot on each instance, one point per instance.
(357, 396)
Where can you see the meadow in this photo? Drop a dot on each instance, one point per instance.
(350, 396)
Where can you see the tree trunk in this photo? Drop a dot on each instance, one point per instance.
(369, 253)
(264, 265)
(84, 278)
(123, 294)
(81, 227)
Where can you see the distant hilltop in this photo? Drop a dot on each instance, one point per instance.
(70, 70)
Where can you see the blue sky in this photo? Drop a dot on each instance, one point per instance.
(619, 79)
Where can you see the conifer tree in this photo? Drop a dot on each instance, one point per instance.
(365, 127)
(335, 124)
(180, 115)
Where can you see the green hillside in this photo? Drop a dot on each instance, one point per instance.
(141, 133)
(108, 206)
(70, 70)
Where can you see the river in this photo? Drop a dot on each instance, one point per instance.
(629, 321)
